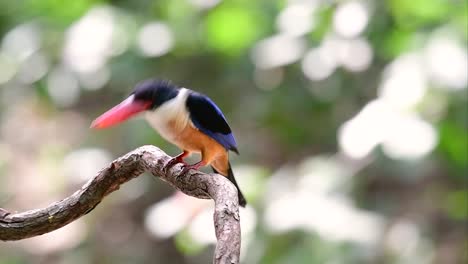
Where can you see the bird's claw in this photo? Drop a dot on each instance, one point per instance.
(172, 162)
(187, 167)
(177, 159)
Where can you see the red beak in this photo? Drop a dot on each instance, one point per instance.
(121, 112)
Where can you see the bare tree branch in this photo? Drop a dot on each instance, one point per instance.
(16, 226)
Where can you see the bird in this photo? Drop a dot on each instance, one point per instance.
(186, 118)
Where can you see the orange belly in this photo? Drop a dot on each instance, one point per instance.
(191, 139)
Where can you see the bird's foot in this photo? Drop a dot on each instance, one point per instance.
(177, 159)
(173, 161)
(195, 166)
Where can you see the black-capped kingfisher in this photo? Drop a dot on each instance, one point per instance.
(187, 119)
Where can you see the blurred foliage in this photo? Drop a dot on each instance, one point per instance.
(351, 116)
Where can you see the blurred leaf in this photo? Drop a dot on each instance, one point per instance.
(461, 18)
(63, 11)
(454, 142)
(324, 18)
(231, 28)
(177, 10)
(304, 248)
(13, 260)
(281, 4)
(456, 204)
(397, 41)
(410, 14)
(186, 244)
(277, 246)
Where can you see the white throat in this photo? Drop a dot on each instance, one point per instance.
(170, 118)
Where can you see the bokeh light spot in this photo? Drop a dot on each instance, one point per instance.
(412, 138)
(350, 18)
(89, 41)
(277, 51)
(447, 62)
(22, 41)
(404, 83)
(155, 39)
(63, 87)
(296, 19)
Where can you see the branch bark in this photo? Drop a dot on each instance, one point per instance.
(16, 226)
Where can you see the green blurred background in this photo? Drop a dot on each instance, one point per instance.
(351, 119)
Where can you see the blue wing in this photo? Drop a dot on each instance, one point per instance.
(209, 119)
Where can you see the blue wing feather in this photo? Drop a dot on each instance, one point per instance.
(209, 119)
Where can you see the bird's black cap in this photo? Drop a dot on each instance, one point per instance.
(155, 91)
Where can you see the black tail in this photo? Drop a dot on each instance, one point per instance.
(230, 176)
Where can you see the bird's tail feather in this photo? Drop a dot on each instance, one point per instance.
(230, 176)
